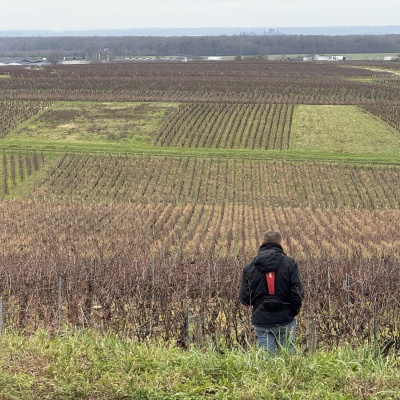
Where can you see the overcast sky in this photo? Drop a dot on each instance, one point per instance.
(63, 15)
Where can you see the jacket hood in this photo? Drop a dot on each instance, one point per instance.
(269, 257)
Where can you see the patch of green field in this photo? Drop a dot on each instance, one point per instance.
(331, 133)
(20, 170)
(93, 122)
(342, 130)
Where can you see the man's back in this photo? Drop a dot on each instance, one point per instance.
(271, 285)
(282, 306)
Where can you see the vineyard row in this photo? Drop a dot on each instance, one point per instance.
(250, 82)
(258, 183)
(350, 299)
(81, 232)
(17, 167)
(388, 112)
(14, 112)
(251, 126)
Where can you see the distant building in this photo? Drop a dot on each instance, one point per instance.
(324, 58)
(74, 62)
(338, 58)
(23, 61)
(391, 58)
(214, 58)
(321, 58)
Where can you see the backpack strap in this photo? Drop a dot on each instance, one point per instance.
(270, 278)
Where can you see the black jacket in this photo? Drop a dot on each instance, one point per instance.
(285, 304)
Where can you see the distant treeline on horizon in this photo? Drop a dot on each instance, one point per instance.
(212, 31)
(239, 45)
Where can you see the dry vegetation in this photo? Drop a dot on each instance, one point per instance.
(236, 82)
(155, 245)
(176, 233)
(196, 180)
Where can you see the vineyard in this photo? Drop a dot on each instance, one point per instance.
(17, 168)
(93, 121)
(186, 180)
(232, 82)
(15, 112)
(211, 129)
(390, 113)
(261, 126)
(192, 232)
(96, 257)
(148, 236)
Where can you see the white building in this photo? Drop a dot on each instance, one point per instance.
(338, 58)
(324, 58)
(321, 58)
(391, 58)
(74, 62)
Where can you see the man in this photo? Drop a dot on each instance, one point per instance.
(271, 284)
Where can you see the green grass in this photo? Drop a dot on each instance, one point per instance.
(20, 171)
(294, 155)
(89, 365)
(343, 130)
(331, 133)
(77, 122)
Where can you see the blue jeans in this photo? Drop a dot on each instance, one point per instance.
(277, 337)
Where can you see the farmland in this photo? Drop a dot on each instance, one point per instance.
(132, 195)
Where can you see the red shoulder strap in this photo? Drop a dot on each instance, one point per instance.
(270, 277)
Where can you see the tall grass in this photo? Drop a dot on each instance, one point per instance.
(89, 365)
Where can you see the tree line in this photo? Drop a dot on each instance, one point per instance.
(240, 45)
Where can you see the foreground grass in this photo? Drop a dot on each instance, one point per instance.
(89, 365)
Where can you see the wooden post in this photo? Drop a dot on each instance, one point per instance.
(60, 300)
(1, 316)
(347, 289)
(375, 323)
(197, 330)
(311, 335)
(153, 271)
(96, 310)
(209, 278)
(90, 301)
(329, 277)
(187, 328)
